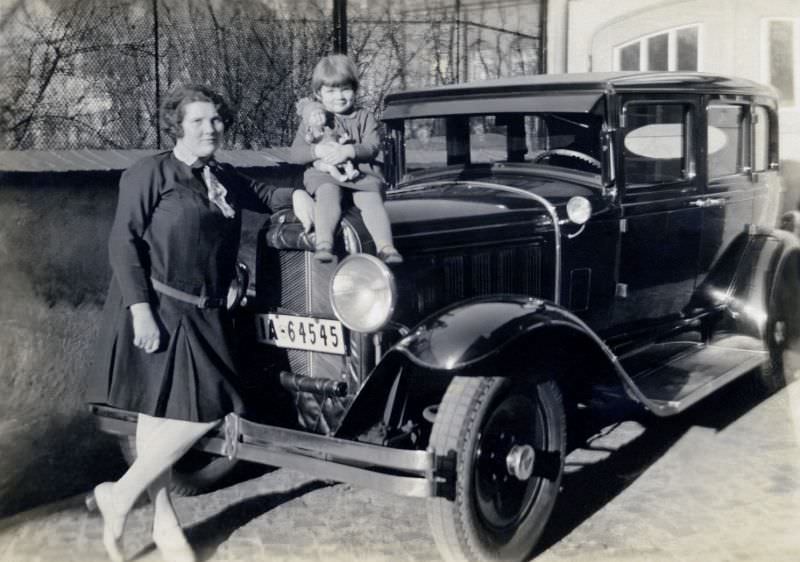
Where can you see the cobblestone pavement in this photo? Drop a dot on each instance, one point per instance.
(720, 484)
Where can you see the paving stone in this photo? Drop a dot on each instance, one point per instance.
(666, 491)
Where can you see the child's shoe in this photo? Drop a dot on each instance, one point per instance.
(390, 255)
(323, 252)
(307, 240)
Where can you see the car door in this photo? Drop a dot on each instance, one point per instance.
(661, 225)
(728, 202)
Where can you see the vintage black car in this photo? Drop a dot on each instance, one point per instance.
(566, 239)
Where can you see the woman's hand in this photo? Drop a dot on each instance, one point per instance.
(146, 333)
(334, 153)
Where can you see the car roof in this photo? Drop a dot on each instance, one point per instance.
(581, 89)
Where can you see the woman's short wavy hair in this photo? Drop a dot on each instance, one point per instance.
(172, 108)
(334, 70)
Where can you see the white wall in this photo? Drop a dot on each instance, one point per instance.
(586, 32)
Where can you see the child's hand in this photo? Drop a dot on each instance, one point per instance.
(334, 153)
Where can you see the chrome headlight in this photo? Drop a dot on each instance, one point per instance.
(579, 210)
(363, 293)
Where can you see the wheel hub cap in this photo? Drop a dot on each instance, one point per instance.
(520, 460)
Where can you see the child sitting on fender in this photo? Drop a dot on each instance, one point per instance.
(334, 83)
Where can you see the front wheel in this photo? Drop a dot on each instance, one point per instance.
(195, 473)
(509, 438)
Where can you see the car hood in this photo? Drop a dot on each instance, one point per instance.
(460, 199)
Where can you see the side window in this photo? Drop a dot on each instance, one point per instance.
(761, 139)
(656, 143)
(728, 145)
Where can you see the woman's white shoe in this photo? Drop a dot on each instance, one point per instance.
(113, 523)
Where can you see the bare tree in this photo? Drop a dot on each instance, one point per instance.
(87, 73)
(49, 78)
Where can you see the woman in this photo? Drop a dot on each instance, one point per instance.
(166, 352)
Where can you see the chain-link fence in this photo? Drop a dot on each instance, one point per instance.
(90, 73)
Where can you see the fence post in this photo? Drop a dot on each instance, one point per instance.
(340, 26)
(157, 74)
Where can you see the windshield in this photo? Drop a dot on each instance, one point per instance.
(567, 140)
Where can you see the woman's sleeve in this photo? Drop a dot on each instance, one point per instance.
(301, 152)
(128, 251)
(259, 196)
(367, 150)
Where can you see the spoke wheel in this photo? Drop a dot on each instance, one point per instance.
(509, 438)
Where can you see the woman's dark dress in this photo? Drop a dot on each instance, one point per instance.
(166, 228)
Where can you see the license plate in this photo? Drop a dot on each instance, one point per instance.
(301, 332)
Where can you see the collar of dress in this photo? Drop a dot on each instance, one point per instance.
(188, 159)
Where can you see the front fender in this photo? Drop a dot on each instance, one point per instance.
(479, 329)
(473, 336)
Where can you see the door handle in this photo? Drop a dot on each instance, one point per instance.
(708, 202)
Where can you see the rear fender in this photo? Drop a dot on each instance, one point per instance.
(754, 283)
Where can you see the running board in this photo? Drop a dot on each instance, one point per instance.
(692, 371)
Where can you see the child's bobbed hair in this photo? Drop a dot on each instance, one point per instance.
(334, 70)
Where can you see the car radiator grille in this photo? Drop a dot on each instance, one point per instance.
(304, 291)
(293, 298)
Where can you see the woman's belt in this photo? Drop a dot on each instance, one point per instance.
(199, 302)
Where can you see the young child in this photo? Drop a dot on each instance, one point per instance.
(334, 83)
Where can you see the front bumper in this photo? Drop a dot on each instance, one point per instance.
(398, 471)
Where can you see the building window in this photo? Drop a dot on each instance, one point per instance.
(675, 49)
(780, 55)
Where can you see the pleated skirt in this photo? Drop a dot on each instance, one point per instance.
(193, 375)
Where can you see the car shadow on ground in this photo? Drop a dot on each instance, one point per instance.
(582, 496)
(207, 536)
